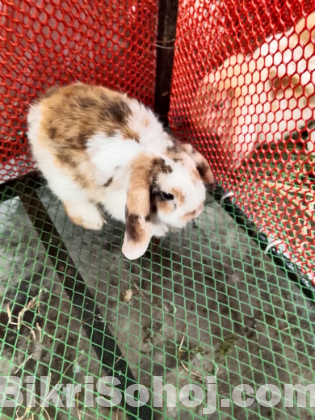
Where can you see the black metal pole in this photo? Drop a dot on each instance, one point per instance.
(165, 56)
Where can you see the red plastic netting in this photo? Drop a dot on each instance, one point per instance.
(48, 42)
(243, 93)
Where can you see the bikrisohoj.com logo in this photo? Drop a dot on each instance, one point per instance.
(15, 392)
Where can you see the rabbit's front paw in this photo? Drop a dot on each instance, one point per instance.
(86, 215)
(159, 229)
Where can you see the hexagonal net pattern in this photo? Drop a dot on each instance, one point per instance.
(243, 93)
(49, 42)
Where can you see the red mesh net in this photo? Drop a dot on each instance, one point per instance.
(243, 93)
(48, 42)
(243, 90)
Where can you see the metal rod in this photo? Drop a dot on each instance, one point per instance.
(165, 56)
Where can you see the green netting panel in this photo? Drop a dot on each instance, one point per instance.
(205, 302)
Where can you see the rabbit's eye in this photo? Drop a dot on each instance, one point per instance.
(166, 196)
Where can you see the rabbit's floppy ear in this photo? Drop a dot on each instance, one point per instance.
(202, 165)
(138, 223)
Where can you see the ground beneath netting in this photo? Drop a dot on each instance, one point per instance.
(205, 302)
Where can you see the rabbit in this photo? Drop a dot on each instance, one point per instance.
(96, 146)
(262, 97)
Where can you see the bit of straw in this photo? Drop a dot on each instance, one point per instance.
(142, 293)
(191, 373)
(24, 415)
(87, 415)
(21, 323)
(31, 304)
(45, 411)
(127, 296)
(40, 332)
(180, 351)
(24, 363)
(287, 328)
(181, 344)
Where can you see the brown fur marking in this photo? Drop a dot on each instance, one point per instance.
(179, 195)
(108, 183)
(202, 169)
(165, 206)
(129, 134)
(73, 114)
(175, 153)
(202, 164)
(64, 158)
(86, 103)
(52, 132)
(114, 110)
(133, 227)
(159, 165)
(191, 214)
(175, 149)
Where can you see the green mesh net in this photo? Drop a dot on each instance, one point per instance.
(204, 302)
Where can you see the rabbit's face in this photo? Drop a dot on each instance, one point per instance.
(178, 192)
(168, 189)
(177, 189)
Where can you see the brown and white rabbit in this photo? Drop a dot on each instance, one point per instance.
(260, 97)
(97, 146)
